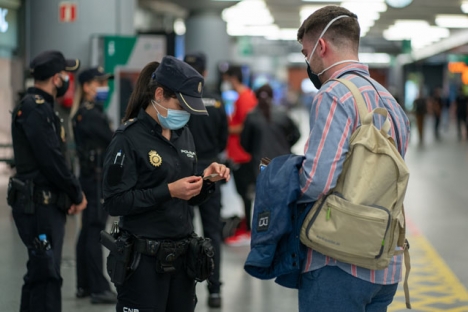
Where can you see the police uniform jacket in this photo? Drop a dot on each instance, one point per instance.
(39, 145)
(91, 130)
(210, 133)
(138, 166)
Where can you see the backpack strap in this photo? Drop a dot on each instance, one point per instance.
(364, 115)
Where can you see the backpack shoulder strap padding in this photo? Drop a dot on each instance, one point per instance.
(364, 115)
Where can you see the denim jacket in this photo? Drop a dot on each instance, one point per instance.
(276, 250)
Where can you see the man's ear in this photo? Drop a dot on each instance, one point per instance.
(322, 46)
(57, 80)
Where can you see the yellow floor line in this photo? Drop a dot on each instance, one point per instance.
(433, 286)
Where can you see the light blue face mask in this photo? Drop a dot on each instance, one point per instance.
(102, 94)
(176, 119)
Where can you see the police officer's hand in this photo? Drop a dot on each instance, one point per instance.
(218, 172)
(186, 188)
(74, 209)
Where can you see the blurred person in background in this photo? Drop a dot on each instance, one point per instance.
(150, 181)
(44, 188)
(210, 135)
(268, 130)
(437, 105)
(92, 134)
(241, 163)
(420, 109)
(461, 105)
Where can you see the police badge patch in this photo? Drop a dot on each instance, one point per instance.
(155, 159)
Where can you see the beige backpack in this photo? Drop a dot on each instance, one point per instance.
(361, 220)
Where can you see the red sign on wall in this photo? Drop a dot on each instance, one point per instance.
(67, 12)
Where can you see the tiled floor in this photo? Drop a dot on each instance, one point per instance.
(437, 210)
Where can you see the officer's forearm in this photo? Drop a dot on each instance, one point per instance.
(136, 201)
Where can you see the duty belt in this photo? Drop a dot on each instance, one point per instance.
(173, 249)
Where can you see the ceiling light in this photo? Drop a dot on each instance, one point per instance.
(307, 10)
(252, 12)
(242, 30)
(419, 32)
(179, 27)
(283, 34)
(452, 20)
(368, 6)
(464, 6)
(374, 58)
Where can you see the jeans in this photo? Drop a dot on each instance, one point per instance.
(331, 289)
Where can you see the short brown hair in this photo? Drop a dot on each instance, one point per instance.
(342, 29)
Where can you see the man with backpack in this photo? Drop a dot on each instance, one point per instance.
(330, 42)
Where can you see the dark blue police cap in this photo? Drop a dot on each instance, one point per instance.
(49, 63)
(93, 73)
(185, 81)
(197, 60)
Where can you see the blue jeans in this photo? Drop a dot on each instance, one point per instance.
(331, 289)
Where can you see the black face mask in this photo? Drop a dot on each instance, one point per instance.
(313, 77)
(63, 89)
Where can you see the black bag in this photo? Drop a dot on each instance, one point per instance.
(199, 259)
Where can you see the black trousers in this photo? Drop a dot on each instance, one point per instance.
(146, 290)
(41, 291)
(244, 178)
(210, 213)
(89, 264)
(462, 120)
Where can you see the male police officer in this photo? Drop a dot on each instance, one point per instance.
(210, 135)
(44, 189)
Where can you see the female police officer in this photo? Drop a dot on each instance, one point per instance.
(149, 179)
(92, 135)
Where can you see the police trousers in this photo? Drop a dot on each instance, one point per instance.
(89, 261)
(41, 291)
(147, 290)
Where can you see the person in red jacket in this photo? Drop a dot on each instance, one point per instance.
(242, 167)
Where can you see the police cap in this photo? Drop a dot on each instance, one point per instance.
(185, 81)
(93, 73)
(197, 60)
(49, 63)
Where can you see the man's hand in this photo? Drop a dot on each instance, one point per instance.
(186, 188)
(74, 209)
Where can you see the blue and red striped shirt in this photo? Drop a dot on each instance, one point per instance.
(333, 119)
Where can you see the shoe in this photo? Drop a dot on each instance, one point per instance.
(104, 297)
(242, 239)
(82, 293)
(214, 300)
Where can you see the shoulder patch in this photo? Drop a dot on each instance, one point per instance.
(39, 99)
(127, 124)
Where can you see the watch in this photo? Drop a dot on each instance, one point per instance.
(398, 3)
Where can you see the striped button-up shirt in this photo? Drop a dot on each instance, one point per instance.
(333, 119)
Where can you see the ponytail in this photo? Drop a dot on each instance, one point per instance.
(143, 93)
(264, 95)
